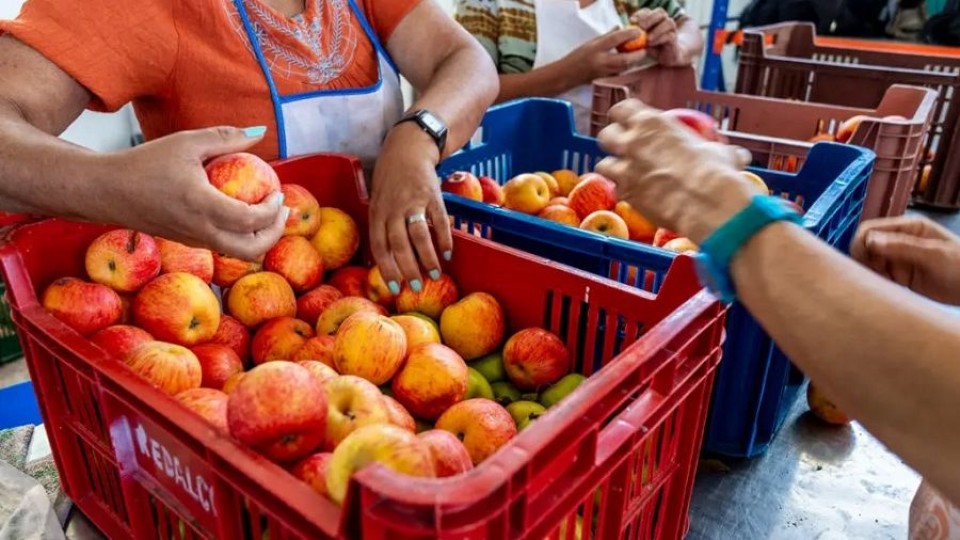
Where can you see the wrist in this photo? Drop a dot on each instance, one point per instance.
(413, 140)
(718, 206)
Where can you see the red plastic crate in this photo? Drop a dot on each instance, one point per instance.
(777, 131)
(138, 464)
(789, 60)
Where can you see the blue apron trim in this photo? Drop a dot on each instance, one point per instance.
(372, 36)
(340, 92)
(274, 95)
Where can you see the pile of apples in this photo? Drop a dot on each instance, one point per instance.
(589, 201)
(304, 362)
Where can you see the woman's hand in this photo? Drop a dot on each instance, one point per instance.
(914, 252)
(599, 58)
(663, 37)
(406, 195)
(162, 189)
(671, 175)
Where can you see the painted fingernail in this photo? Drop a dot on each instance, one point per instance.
(254, 131)
(447, 255)
(435, 274)
(394, 287)
(286, 214)
(416, 285)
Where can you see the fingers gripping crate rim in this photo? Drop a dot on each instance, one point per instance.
(140, 467)
(756, 384)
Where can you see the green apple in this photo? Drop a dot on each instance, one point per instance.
(491, 367)
(477, 386)
(525, 412)
(505, 393)
(561, 389)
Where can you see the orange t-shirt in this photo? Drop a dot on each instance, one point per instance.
(188, 64)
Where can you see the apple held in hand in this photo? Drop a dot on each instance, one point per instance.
(304, 218)
(700, 123)
(295, 258)
(395, 448)
(474, 326)
(638, 43)
(353, 403)
(449, 455)
(85, 307)
(534, 358)
(176, 257)
(257, 298)
(432, 379)
(337, 238)
(179, 308)
(481, 424)
(233, 334)
(217, 363)
(463, 184)
(210, 404)
(169, 367)
(123, 260)
(371, 346)
(280, 410)
(433, 298)
(243, 176)
(312, 304)
(121, 340)
(279, 339)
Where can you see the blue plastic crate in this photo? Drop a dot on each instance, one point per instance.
(756, 383)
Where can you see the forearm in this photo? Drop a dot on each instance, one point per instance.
(885, 355)
(546, 81)
(689, 38)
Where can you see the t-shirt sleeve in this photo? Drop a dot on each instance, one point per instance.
(385, 15)
(673, 7)
(480, 18)
(117, 50)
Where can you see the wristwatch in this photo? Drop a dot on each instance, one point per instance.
(718, 250)
(430, 124)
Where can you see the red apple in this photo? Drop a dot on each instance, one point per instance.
(474, 326)
(313, 471)
(123, 260)
(450, 456)
(340, 310)
(295, 258)
(176, 257)
(482, 425)
(318, 348)
(433, 298)
(232, 382)
(235, 335)
(210, 404)
(350, 281)
(378, 291)
(662, 236)
(259, 297)
(463, 184)
(432, 379)
(120, 340)
(280, 338)
(321, 371)
(492, 192)
(243, 176)
(534, 358)
(371, 346)
(179, 308)
(312, 304)
(85, 307)
(227, 270)
(560, 214)
(593, 193)
(217, 363)
(169, 367)
(702, 124)
(337, 238)
(304, 218)
(280, 410)
(399, 415)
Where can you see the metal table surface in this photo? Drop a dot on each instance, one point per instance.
(814, 482)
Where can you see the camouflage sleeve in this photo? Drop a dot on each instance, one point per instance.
(480, 18)
(674, 8)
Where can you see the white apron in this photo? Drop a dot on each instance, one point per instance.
(563, 27)
(348, 121)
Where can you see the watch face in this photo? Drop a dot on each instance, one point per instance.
(432, 123)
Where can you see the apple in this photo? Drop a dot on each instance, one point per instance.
(639, 228)
(663, 236)
(482, 425)
(319, 348)
(169, 367)
(295, 258)
(371, 346)
(217, 363)
(491, 367)
(353, 403)
(450, 456)
(552, 184)
(680, 245)
(527, 193)
(304, 218)
(849, 127)
(492, 192)
(425, 318)
(120, 340)
(561, 389)
(210, 404)
(558, 201)
(399, 415)
(477, 386)
(757, 181)
(340, 310)
(233, 334)
(534, 358)
(377, 290)
(417, 330)
(525, 412)
(312, 304)
(593, 193)
(243, 176)
(433, 378)
(227, 270)
(505, 393)
(566, 180)
(176, 257)
(473, 326)
(606, 223)
(700, 123)
(257, 298)
(280, 338)
(638, 43)
(463, 184)
(390, 446)
(312, 471)
(433, 298)
(126, 309)
(337, 238)
(823, 408)
(123, 260)
(280, 410)
(232, 382)
(350, 281)
(179, 308)
(321, 371)
(560, 214)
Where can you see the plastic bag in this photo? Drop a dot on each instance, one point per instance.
(26, 512)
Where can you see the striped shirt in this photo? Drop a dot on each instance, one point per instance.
(507, 29)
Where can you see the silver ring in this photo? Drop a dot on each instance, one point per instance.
(416, 218)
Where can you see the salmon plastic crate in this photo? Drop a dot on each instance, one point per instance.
(789, 60)
(617, 458)
(756, 382)
(777, 131)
